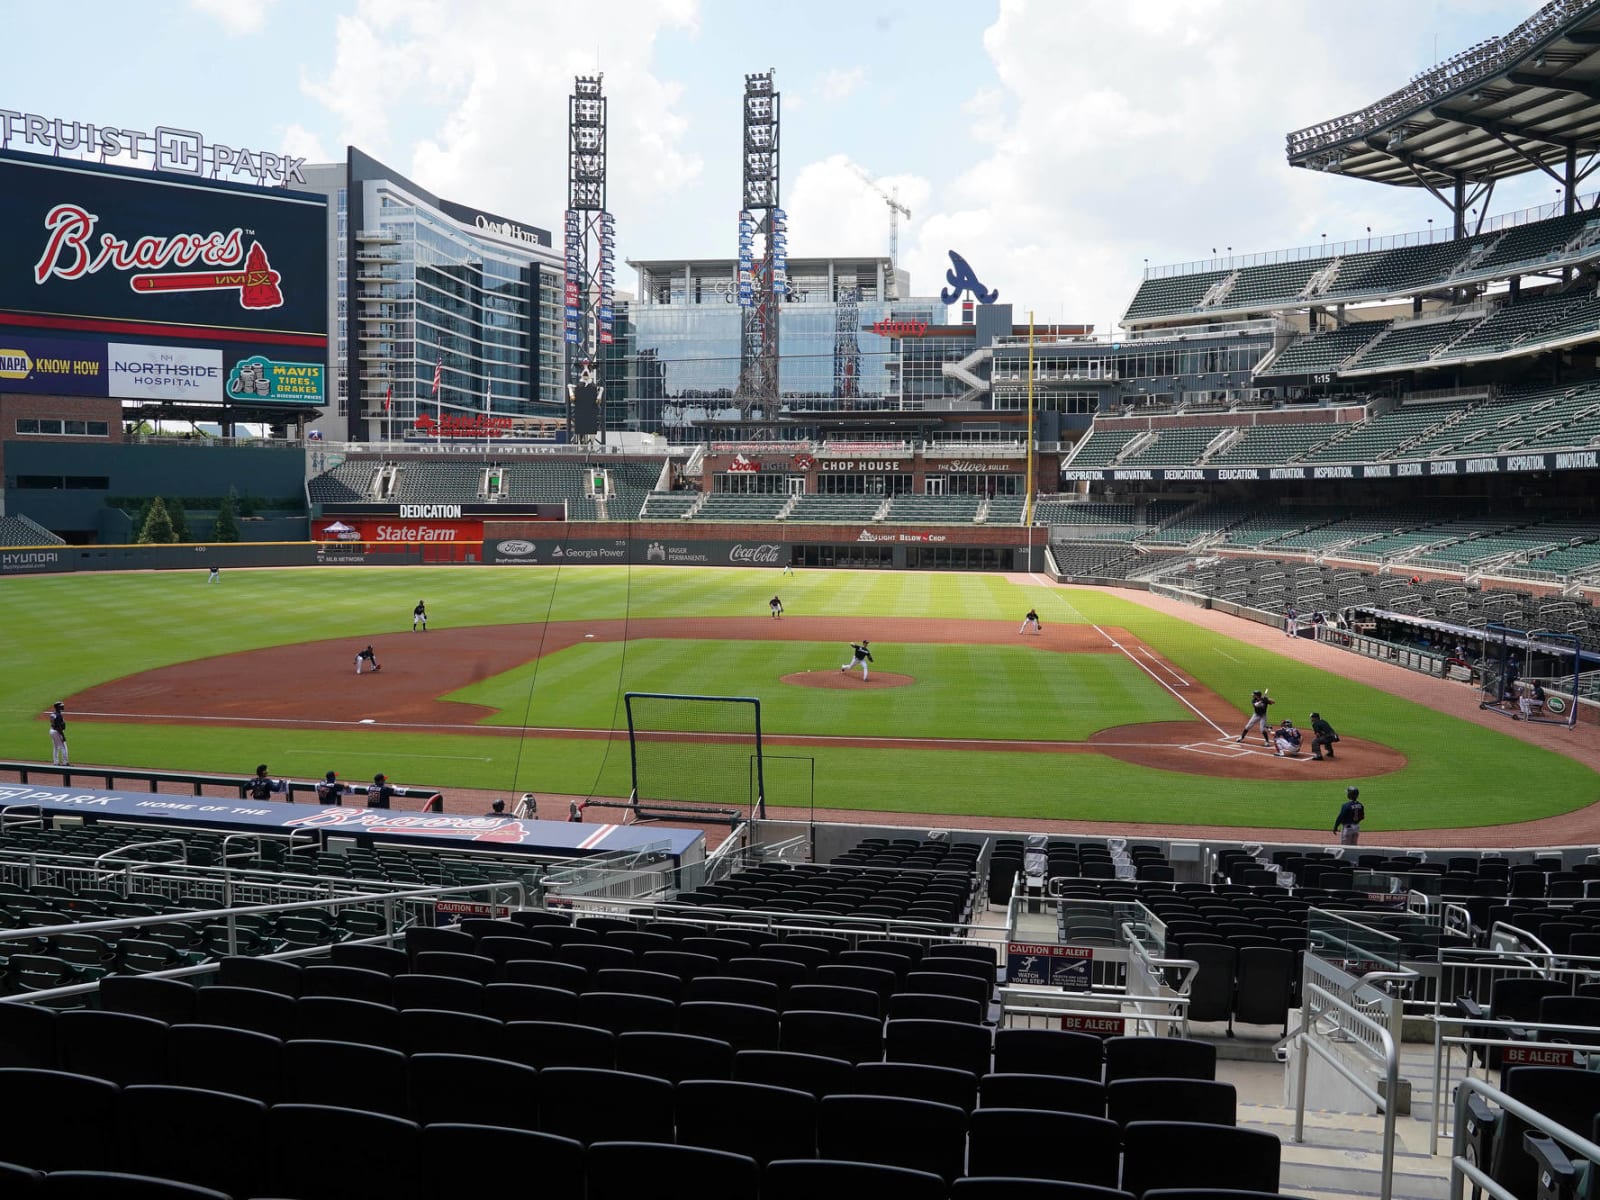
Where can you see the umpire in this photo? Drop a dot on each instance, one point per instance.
(1322, 738)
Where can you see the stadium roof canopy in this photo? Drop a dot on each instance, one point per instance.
(1529, 100)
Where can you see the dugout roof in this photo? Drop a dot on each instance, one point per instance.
(1508, 105)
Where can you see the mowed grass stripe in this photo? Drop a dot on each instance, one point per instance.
(989, 692)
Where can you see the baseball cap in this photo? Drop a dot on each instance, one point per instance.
(1316, 716)
(58, 704)
(379, 777)
(331, 776)
(1352, 792)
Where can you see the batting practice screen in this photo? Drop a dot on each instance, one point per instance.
(695, 752)
(1531, 675)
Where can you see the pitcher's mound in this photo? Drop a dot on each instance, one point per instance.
(838, 679)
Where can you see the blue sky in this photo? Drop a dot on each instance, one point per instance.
(1057, 145)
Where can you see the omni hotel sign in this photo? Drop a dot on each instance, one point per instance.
(177, 151)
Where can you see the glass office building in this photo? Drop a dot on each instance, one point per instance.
(845, 344)
(422, 288)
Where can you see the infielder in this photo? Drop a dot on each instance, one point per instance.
(367, 656)
(860, 655)
(1031, 619)
(419, 615)
(58, 735)
(1259, 703)
(776, 606)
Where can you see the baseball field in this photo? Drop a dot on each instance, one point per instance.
(1112, 712)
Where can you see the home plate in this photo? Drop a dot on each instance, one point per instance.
(1233, 750)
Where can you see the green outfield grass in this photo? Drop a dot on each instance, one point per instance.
(66, 633)
(993, 692)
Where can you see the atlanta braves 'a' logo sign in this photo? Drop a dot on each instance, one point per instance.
(69, 254)
(962, 278)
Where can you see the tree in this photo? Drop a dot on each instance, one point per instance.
(180, 521)
(227, 527)
(157, 525)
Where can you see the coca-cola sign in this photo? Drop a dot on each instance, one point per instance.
(765, 554)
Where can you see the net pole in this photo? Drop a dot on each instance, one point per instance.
(760, 808)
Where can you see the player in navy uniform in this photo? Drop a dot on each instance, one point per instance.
(419, 615)
(367, 656)
(330, 790)
(860, 655)
(776, 606)
(1259, 703)
(1286, 739)
(379, 792)
(1031, 619)
(58, 735)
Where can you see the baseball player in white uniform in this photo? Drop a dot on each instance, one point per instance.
(58, 735)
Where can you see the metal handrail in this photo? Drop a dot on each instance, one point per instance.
(1391, 1073)
(1462, 1171)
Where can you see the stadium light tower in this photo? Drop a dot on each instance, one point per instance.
(590, 281)
(764, 284)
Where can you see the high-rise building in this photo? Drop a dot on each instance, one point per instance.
(438, 312)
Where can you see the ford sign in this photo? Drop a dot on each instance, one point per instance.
(514, 548)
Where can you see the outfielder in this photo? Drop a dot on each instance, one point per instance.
(1259, 703)
(861, 655)
(367, 656)
(58, 735)
(419, 615)
(1031, 619)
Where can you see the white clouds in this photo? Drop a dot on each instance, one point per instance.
(839, 85)
(300, 142)
(489, 83)
(237, 17)
(833, 211)
(1153, 130)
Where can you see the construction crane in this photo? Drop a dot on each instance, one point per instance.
(891, 197)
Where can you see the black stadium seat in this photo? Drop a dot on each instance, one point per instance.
(465, 1090)
(918, 1135)
(473, 1160)
(807, 1179)
(117, 1185)
(674, 1172)
(34, 1133)
(1177, 1154)
(1054, 1145)
(718, 1114)
(223, 1143)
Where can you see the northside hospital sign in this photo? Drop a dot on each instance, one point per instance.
(177, 151)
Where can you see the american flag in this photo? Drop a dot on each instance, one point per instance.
(438, 375)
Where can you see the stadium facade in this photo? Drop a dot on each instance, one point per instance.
(420, 285)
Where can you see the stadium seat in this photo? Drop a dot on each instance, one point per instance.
(1055, 1093)
(423, 938)
(717, 1114)
(674, 1057)
(222, 1144)
(917, 1081)
(272, 1013)
(436, 1031)
(516, 948)
(528, 1002)
(742, 1026)
(940, 1044)
(169, 1000)
(216, 1058)
(1198, 1100)
(475, 1160)
(35, 1135)
(542, 1044)
(370, 958)
(879, 982)
(624, 1012)
(309, 1147)
(469, 1090)
(567, 977)
(1178, 1154)
(825, 998)
(915, 1134)
(725, 989)
(456, 965)
(118, 1185)
(117, 1046)
(333, 1018)
(780, 972)
(1001, 1187)
(345, 1074)
(350, 983)
(28, 1036)
(262, 974)
(674, 1172)
(1085, 1148)
(832, 1035)
(1048, 1052)
(1211, 989)
(1159, 1057)
(816, 1074)
(1568, 1097)
(1266, 979)
(23, 1182)
(807, 1179)
(918, 1006)
(438, 992)
(597, 956)
(637, 982)
(592, 1105)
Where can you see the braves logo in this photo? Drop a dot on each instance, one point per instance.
(476, 829)
(962, 278)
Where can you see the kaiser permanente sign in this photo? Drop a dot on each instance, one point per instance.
(1490, 464)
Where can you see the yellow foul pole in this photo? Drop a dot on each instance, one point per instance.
(1027, 503)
